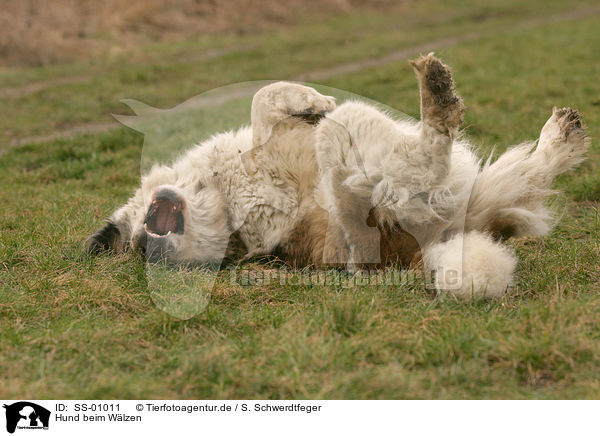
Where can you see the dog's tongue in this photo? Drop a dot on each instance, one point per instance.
(162, 217)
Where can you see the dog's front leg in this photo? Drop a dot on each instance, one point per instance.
(441, 114)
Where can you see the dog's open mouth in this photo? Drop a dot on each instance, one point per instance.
(164, 216)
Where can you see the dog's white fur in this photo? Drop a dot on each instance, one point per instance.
(263, 180)
(471, 265)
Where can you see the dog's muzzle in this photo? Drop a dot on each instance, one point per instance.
(165, 215)
(163, 219)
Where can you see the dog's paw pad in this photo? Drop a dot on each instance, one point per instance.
(437, 78)
(564, 135)
(570, 123)
(438, 95)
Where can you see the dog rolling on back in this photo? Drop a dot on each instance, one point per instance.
(318, 184)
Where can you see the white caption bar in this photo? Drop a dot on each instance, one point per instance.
(250, 417)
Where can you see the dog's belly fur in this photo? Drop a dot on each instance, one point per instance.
(311, 238)
(307, 244)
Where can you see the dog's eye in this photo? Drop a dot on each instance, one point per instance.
(199, 186)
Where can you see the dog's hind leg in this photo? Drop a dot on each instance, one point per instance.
(442, 113)
(282, 100)
(508, 195)
(562, 145)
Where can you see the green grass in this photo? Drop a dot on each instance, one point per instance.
(72, 326)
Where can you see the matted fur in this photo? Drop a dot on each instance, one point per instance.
(349, 186)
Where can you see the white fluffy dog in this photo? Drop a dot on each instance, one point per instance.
(316, 184)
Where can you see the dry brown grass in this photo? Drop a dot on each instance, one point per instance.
(38, 32)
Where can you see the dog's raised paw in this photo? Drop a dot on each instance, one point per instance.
(564, 139)
(437, 79)
(311, 105)
(440, 105)
(570, 123)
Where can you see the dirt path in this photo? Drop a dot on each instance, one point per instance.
(405, 53)
(71, 132)
(30, 88)
(317, 75)
(21, 91)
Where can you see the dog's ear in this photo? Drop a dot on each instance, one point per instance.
(107, 238)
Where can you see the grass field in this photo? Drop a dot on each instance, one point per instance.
(72, 326)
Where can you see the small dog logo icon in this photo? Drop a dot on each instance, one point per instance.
(26, 415)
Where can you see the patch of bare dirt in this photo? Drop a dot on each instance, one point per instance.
(38, 32)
